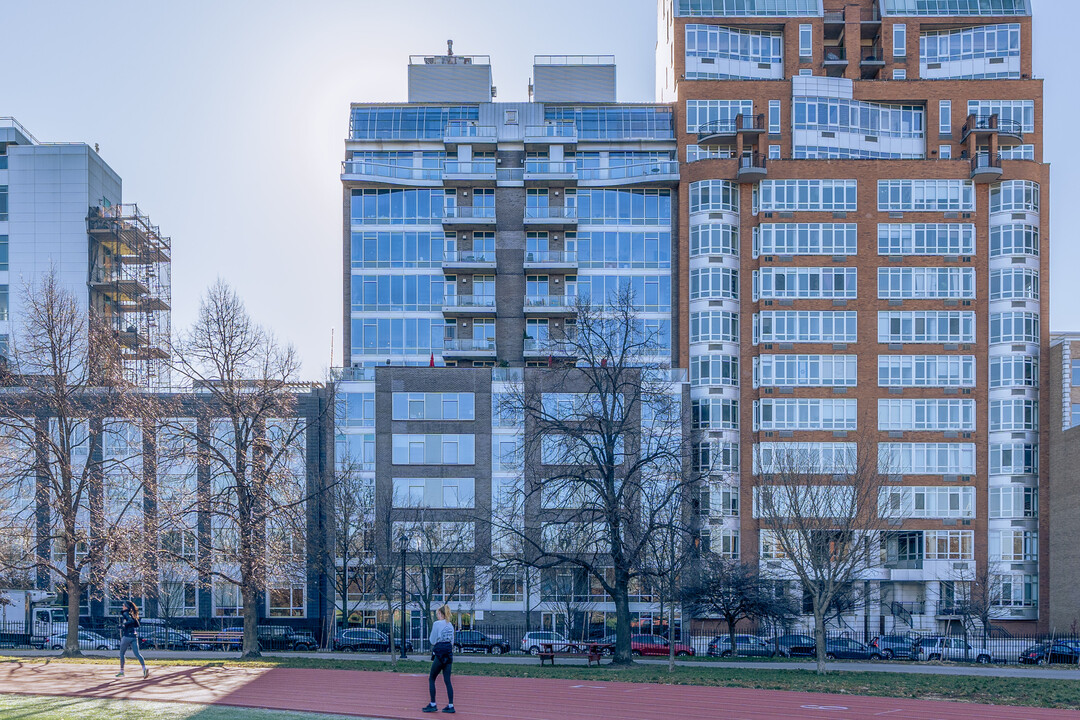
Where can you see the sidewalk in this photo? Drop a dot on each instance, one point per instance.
(396, 696)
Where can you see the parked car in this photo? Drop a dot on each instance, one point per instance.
(159, 637)
(476, 641)
(847, 649)
(747, 645)
(938, 647)
(366, 640)
(896, 647)
(88, 640)
(1059, 652)
(793, 646)
(656, 645)
(280, 637)
(532, 642)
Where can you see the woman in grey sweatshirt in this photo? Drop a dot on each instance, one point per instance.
(442, 658)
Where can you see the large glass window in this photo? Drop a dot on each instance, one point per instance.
(748, 8)
(1021, 112)
(3, 253)
(926, 239)
(805, 371)
(805, 414)
(1014, 458)
(929, 326)
(623, 207)
(981, 42)
(714, 414)
(714, 370)
(1014, 196)
(859, 117)
(398, 292)
(805, 282)
(807, 195)
(934, 8)
(651, 293)
(1014, 327)
(926, 502)
(926, 458)
(714, 326)
(804, 457)
(399, 207)
(1014, 546)
(714, 196)
(805, 326)
(929, 283)
(714, 282)
(933, 415)
(709, 116)
(387, 249)
(1014, 371)
(408, 122)
(434, 492)
(411, 336)
(926, 196)
(616, 122)
(1014, 414)
(1014, 239)
(1014, 501)
(433, 406)
(433, 449)
(3, 203)
(926, 370)
(624, 249)
(805, 239)
(1018, 283)
(713, 43)
(714, 239)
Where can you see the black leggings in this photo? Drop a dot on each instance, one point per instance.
(438, 666)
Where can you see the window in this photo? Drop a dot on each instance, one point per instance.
(805, 414)
(926, 196)
(1015, 458)
(434, 492)
(926, 415)
(1074, 373)
(926, 370)
(724, 542)
(623, 248)
(1017, 591)
(715, 457)
(774, 152)
(926, 458)
(356, 409)
(1014, 502)
(616, 122)
(400, 207)
(899, 74)
(927, 283)
(1014, 371)
(806, 239)
(805, 371)
(858, 129)
(3, 203)
(1014, 196)
(807, 195)
(559, 449)
(899, 40)
(651, 293)
(3, 253)
(971, 53)
(433, 406)
(385, 335)
(599, 206)
(926, 239)
(1014, 546)
(433, 449)
(945, 152)
(927, 502)
(720, 501)
(714, 196)
(178, 598)
(1014, 239)
(4, 303)
(950, 545)
(1018, 112)
(926, 326)
(774, 117)
(714, 282)
(934, 8)
(770, 546)
(721, 53)
(1074, 417)
(714, 414)
(810, 457)
(408, 122)
(714, 370)
(398, 249)
(711, 116)
(1014, 327)
(227, 599)
(286, 600)
(508, 586)
(805, 326)
(806, 42)
(1015, 415)
(747, 8)
(714, 326)
(805, 282)
(714, 239)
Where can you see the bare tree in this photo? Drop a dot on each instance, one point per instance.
(977, 598)
(72, 466)
(250, 440)
(672, 551)
(817, 507)
(604, 439)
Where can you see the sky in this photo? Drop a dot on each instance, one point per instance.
(226, 120)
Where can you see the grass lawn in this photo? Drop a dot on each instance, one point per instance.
(68, 708)
(1037, 692)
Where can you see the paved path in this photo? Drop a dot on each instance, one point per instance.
(399, 697)
(1057, 672)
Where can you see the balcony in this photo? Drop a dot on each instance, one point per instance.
(467, 132)
(834, 25)
(550, 304)
(459, 217)
(370, 172)
(552, 133)
(550, 260)
(751, 168)
(510, 177)
(871, 61)
(469, 305)
(548, 347)
(468, 348)
(663, 172)
(985, 168)
(836, 61)
(869, 22)
(465, 260)
(1008, 131)
(552, 217)
(469, 173)
(550, 173)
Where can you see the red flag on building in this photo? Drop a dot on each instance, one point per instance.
(432, 360)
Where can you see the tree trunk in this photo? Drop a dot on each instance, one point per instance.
(671, 635)
(250, 646)
(390, 645)
(819, 637)
(71, 644)
(731, 636)
(623, 655)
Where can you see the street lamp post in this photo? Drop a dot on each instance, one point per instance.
(404, 541)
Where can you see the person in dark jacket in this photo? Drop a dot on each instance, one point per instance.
(442, 658)
(129, 636)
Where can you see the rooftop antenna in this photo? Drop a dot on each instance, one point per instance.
(450, 48)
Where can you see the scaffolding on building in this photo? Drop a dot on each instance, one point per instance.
(131, 289)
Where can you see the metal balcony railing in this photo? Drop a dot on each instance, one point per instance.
(985, 160)
(991, 123)
(836, 54)
(874, 54)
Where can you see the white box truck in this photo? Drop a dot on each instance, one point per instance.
(27, 617)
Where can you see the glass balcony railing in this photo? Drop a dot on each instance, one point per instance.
(452, 345)
(469, 213)
(551, 213)
(469, 301)
(555, 130)
(509, 374)
(469, 256)
(553, 257)
(365, 168)
(470, 167)
(548, 346)
(467, 129)
(550, 301)
(626, 172)
(550, 167)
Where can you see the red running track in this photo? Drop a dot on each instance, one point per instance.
(399, 697)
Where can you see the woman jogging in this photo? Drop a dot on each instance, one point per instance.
(129, 636)
(442, 658)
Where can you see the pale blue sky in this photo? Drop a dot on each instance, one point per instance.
(226, 119)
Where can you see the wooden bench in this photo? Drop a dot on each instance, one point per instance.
(595, 653)
(213, 637)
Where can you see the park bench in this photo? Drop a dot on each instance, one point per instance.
(213, 637)
(595, 652)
